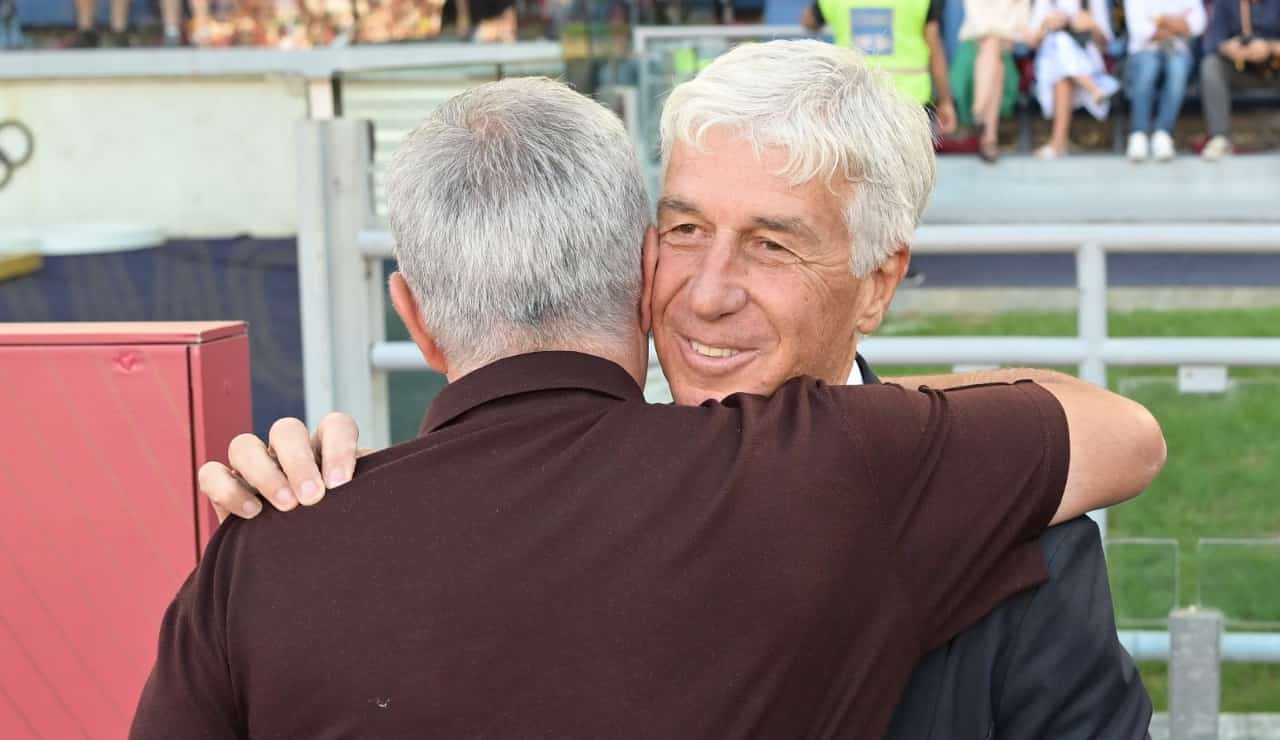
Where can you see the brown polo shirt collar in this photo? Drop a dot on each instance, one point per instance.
(536, 371)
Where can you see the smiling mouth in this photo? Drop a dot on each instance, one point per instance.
(707, 350)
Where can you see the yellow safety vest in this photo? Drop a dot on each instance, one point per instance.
(890, 33)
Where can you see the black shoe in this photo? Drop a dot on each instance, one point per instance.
(989, 154)
(116, 40)
(85, 39)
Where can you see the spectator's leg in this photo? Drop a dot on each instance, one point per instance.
(119, 15)
(84, 14)
(1177, 67)
(1063, 91)
(1088, 85)
(988, 87)
(1215, 91)
(199, 30)
(1141, 73)
(171, 16)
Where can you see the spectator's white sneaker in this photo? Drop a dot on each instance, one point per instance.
(1048, 152)
(1217, 148)
(1139, 148)
(1162, 146)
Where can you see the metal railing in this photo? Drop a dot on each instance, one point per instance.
(347, 357)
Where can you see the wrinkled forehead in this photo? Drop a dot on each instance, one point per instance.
(726, 173)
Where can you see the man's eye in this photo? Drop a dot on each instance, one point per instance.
(772, 252)
(686, 229)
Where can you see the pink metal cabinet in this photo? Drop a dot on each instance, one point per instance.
(102, 428)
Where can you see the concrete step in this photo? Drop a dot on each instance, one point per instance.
(1105, 188)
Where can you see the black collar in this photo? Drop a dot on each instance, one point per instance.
(536, 371)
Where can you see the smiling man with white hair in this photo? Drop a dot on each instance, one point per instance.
(794, 181)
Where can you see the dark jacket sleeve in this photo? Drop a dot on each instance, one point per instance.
(1067, 676)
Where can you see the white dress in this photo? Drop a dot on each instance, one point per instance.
(1059, 56)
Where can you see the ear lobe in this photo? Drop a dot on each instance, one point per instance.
(883, 285)
(411, 314)
(649, 268)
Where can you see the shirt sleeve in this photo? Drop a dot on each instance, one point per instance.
(968, 479)
(189, 693)
(935, 12)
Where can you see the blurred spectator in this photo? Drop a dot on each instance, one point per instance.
(903, 37)
(1159, 31)
(200, 22)
(87, 36)
(10, 30)
(118, 35)
(1069, 69)
(1242, 49)
(495, 20)
(987, 35)
(171, 16)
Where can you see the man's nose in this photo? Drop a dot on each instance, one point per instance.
(718, 289)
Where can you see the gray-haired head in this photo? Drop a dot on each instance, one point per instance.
(519, 211)
(836, 117)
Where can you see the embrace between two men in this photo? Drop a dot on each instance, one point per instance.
(792, 549)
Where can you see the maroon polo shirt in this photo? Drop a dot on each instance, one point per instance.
(556, 558)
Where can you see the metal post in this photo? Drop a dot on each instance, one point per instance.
(1194, 673)
(320, 103)
(341, 291)
(1091, 320)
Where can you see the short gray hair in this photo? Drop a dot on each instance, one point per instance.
(836, 116)
(519, 211)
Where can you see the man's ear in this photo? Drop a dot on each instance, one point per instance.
(649, 260)
(881, 285)
(407, 308)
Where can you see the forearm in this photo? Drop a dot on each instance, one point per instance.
(1099, 38)
(1176, 26)
(938, 64)
(1001, 375)
(1036, 36)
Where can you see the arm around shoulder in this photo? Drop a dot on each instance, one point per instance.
(1117, 446)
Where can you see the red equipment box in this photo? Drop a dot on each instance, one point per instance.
(102, 429)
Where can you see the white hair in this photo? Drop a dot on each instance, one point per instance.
(519, 211)
(835, 116)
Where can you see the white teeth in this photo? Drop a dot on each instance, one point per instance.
(707, 351)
